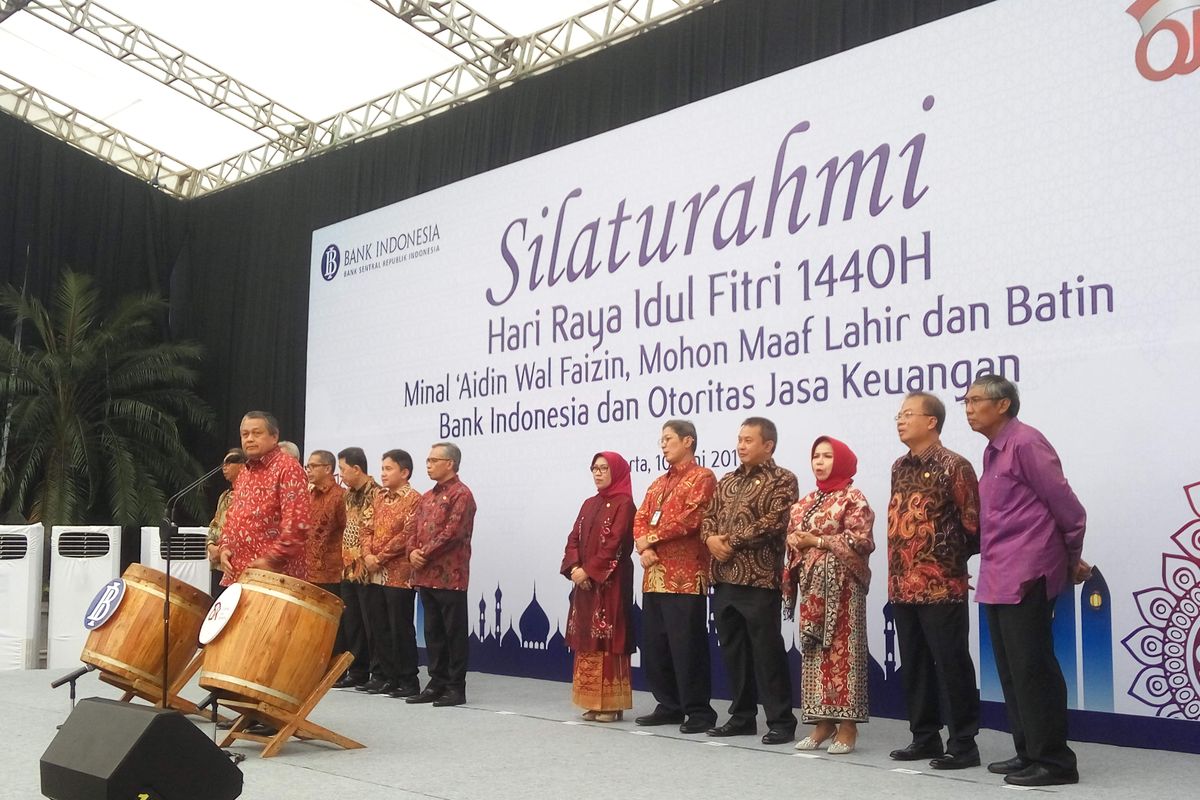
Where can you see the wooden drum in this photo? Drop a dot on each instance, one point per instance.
(277, 645)
(130, 644)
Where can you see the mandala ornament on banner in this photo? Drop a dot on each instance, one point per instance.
(1168, 645)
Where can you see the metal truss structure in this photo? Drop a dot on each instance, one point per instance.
(489, 58)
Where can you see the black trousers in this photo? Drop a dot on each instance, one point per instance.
(400, 606)
(355, 629)
(939, 675)
(446, 638)
(1035, 694)
(339, 643)
(675, 654)
(379, 634)
(748, 620)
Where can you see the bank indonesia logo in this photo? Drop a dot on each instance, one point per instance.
(104, 604)
(331, 261)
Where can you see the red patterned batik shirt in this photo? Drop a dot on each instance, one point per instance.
(325, 538)
(680, 498)
(441, 529)
(389, 544)
(269, 517)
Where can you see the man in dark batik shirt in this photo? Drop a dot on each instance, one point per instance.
(745, 530)
(933, 528)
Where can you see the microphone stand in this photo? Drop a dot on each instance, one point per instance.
(166, 532)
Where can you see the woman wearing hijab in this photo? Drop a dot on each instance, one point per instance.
(828, 542)
(597, 560)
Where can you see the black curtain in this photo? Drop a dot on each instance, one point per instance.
(236, 263)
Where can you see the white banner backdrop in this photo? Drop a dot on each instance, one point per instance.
(1003, 191)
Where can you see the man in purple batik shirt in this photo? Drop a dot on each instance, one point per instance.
(1030, 539)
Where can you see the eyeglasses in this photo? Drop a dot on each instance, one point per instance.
(318, 466)
(971, 402)
(600, 468)
(429, 461)
(910, 414)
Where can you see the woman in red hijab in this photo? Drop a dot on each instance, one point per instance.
(829, 539)
(597, 560)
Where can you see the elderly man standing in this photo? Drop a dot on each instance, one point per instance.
(269, 516)
(745, 530)
(1031, 529)
(439, 549)
(675, 563)
(933, 528)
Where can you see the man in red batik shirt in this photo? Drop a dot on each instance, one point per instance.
(675, 562)
(439, 548)
(328, 521)
(269, 517)
(387, 562)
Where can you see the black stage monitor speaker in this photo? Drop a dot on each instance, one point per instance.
(108, 750)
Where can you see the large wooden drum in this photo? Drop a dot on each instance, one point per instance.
(130, 644)
(277, 645)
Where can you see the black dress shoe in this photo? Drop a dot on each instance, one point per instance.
(1041, 775)
(428, 696)
(373, 686)
(917, 752)
(405, 690)
(1008, 766)
(956, 760)
(387, 688)
(661, 718)
(348, 682)
(262, 729)
(694, 725)
(778, 736)
(450, 699)
(732, 728)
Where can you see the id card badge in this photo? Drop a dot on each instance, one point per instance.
(655, 517)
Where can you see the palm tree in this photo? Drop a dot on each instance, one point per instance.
(97, 406)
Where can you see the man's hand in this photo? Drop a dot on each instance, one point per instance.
(372, 563)
(1083, 571)
(416, 558)
(649, 558)
(641, 544)
(720, 548)
(224, 563)
(260, 563)
(214, 554)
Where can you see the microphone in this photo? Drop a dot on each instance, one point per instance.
(71, 677)
(167, 529)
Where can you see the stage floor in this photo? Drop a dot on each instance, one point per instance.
(519, 738)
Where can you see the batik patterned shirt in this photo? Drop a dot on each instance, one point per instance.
(933, 527)
(750, 508)
(269, 517)
(390, 542)
(360, 526)
(680, 498)
(325, 538)
(441, 528)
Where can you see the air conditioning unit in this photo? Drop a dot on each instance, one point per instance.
(20, 595)
(189, 555)
(82, 559)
